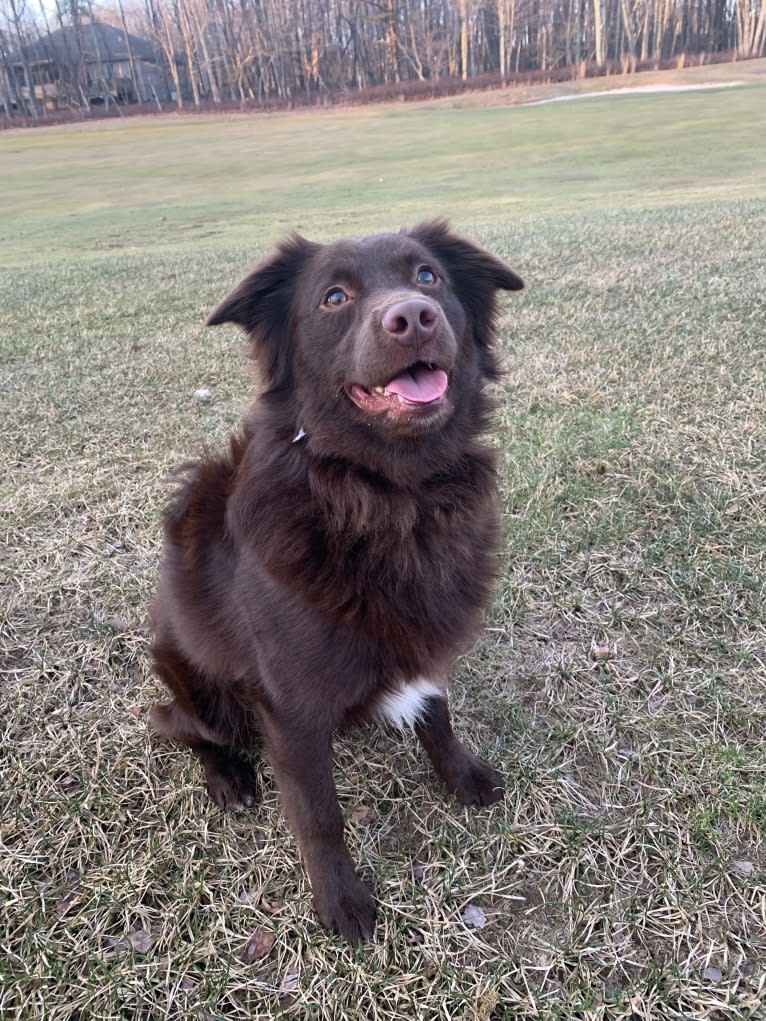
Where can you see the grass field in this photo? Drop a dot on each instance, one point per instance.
(620, 683)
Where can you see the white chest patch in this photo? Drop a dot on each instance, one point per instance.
(405, 707)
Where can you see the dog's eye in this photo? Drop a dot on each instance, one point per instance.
(426, 275)
(335, 297)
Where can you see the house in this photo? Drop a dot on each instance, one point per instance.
(82, 65)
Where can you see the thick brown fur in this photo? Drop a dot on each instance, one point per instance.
(334, 555)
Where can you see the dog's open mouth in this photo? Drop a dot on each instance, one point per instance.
(422, 386)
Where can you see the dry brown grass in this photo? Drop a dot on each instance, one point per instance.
(620, 684)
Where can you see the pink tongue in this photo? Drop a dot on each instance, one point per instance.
(419, 384)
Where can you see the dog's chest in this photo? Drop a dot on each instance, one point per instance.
(402, 573)
(408, 703)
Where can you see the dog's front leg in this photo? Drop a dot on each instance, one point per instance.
(471, 779)
(301, 757)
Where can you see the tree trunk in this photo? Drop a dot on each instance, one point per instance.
(464, 32)
(131, 58)
(597, 33)
(628, 23)
(167, 43)
(202, 29)
(17, 12)
(183, 27)
(506, 13)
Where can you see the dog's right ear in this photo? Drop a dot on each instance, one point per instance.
(261, 304)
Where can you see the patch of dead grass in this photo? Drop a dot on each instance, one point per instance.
(620, 684)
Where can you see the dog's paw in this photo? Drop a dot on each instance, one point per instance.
(232, 783)
(348, 910)
(477, 783)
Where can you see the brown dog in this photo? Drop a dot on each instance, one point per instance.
(331, 566)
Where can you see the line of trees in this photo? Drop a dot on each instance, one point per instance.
(220, 51)
(258, 49)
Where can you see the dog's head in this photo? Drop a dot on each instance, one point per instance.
(392, 332)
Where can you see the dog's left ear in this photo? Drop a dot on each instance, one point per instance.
(464, 259)
(261, 304)
(475, 273)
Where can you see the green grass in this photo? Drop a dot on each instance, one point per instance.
(620, 683)
(164, 184)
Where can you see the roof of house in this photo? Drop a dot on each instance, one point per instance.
(99, 42)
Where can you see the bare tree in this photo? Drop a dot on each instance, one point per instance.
(463, 17)
(15, 15)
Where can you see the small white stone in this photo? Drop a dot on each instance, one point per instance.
(474, 917)
(744, 868)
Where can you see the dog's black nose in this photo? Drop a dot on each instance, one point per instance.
(411, 322)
